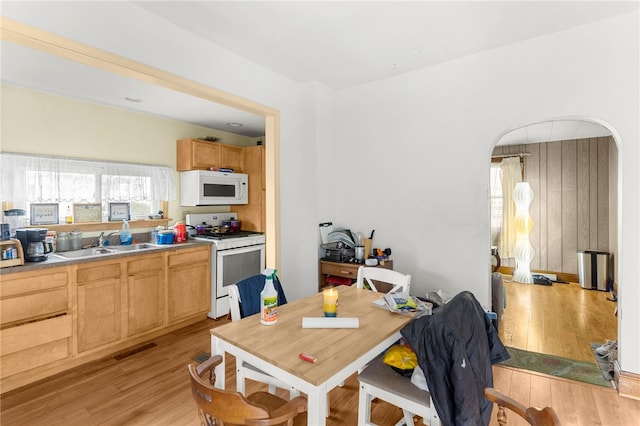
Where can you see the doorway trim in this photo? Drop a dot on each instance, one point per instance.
(629, 383)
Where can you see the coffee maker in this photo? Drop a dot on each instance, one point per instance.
(34, 244)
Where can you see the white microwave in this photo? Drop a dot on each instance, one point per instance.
(205, 188)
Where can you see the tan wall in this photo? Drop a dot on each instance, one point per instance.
(573, 208)
(38, 123)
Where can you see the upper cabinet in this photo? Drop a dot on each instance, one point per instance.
(197, 154)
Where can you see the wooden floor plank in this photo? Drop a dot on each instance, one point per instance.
(152, 388)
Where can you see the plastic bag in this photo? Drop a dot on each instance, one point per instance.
(401, 358)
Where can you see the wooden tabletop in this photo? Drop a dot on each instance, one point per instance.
(281, 343)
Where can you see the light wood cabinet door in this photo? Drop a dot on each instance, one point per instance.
(188, 290)
(195, 154)
(253, 215)
(99, 305)
(231, 157)
(145, 294)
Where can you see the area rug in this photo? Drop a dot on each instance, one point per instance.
(556, 366)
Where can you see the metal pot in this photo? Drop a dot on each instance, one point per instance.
(203, 229)
(221, 229)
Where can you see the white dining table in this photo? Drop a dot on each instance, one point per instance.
(339, 352)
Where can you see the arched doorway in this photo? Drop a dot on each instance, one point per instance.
(572, 165)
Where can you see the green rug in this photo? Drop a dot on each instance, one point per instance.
(556, 366)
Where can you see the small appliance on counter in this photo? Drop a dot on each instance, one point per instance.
(16, 218)
(34, 244)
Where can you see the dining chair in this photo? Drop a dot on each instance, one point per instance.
(534, 416)
(219, 407)
(367, 276)
(378, 380)
(251, 288)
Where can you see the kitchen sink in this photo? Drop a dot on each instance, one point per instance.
(89, 252)
(104, 251)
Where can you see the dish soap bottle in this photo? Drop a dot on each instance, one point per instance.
(68, 217)
(269, 299)
(125, 233)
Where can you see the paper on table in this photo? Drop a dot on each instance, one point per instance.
(327, 322)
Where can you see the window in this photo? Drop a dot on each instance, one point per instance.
(496, 203)
(28, 179)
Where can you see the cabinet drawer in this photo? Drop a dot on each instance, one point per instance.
(35, 344)
(35, 305)
(98, 272)
(189, 256)
(29, 282)
(348, 271)
(145, 264)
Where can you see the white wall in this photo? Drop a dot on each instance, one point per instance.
(423, 141)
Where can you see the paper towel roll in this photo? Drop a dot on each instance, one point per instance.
(325, 322)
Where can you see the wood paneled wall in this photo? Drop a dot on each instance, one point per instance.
(572, 208)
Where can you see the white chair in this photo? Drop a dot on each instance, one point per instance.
(399, 281)
(244, 370)
(378, 380)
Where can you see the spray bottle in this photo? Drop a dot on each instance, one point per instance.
(269, 299)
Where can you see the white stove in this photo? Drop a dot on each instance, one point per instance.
(234, 256)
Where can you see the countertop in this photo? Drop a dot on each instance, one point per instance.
(53, 261)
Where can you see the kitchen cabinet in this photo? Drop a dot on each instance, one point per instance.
(252, 214)
(347, 270)
(99, 304)
(36, 326)
(198, 154)
(55, 317)
(145, 294)
(189, 283)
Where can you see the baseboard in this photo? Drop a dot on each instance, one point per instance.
(553, 275)
(629, 385)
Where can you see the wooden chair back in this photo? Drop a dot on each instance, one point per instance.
(534, 416)
(218, 407)
(368, 275)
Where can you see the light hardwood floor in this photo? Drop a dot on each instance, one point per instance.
(561, 319)
(152, 388)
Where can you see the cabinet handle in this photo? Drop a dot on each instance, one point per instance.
(346, 272)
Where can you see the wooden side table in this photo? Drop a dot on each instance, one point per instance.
(346, 270)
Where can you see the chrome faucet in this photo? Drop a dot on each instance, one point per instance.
(102, 237)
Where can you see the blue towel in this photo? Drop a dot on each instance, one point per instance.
(249, 290)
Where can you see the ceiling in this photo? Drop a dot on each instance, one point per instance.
(339, 44)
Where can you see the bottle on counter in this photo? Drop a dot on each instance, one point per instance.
(125, 233)
(269, 299)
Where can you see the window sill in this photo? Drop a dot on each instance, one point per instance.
(104, 226)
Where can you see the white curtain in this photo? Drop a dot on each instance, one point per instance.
(33, 178)
(511, 173)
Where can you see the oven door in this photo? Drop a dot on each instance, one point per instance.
(233, 265)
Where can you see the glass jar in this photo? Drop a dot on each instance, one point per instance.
(76, 239)
(63, 242)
